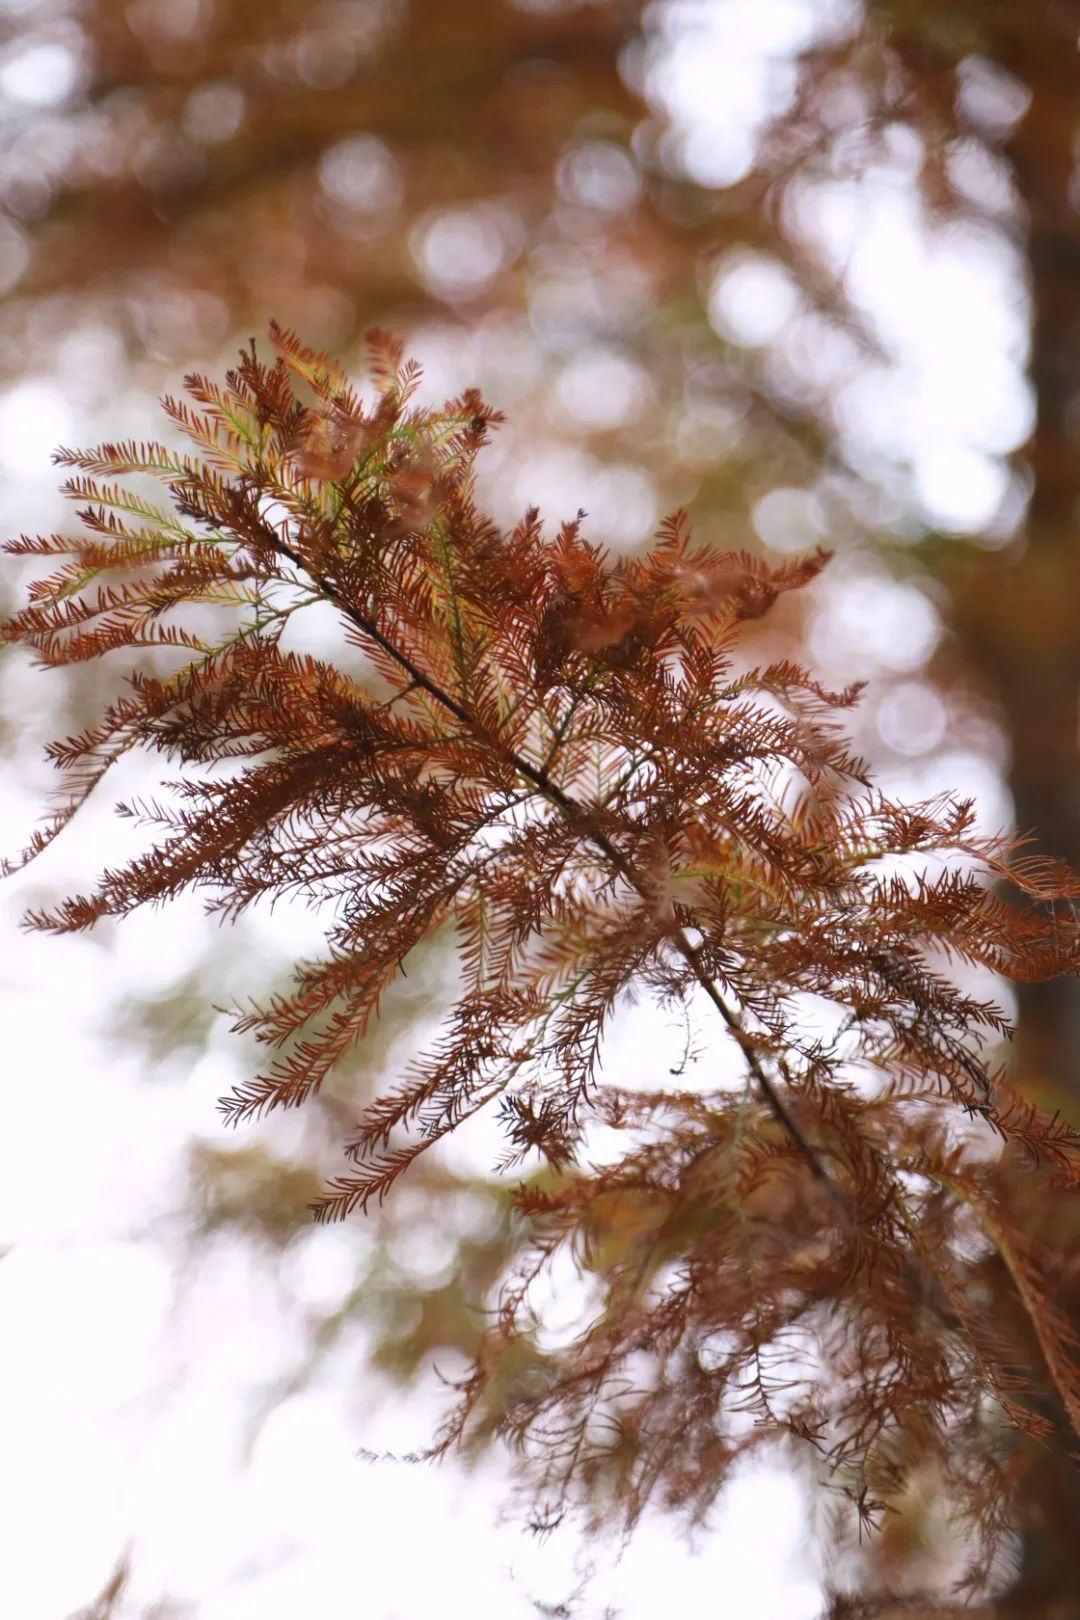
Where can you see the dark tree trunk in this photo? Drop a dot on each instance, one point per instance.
(1018, 613)
(1040, 672)
(1023, 634)
(1040, 675)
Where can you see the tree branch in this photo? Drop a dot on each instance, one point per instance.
(579, 816)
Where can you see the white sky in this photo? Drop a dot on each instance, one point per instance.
(124, 1398)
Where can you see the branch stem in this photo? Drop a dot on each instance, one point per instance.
(579, 816)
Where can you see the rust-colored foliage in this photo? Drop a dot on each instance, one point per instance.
(555, 753)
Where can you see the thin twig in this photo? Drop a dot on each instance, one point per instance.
(579, 816)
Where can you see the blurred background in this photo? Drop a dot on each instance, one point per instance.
(809, 267)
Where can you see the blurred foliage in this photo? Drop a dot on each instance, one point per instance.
(529, 192)
(112, 1602)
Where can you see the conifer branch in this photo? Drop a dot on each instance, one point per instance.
(569, 771)
(578, 818)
